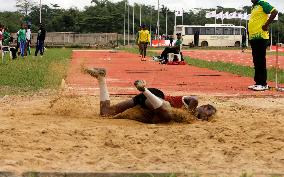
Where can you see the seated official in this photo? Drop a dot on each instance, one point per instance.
(173, 49)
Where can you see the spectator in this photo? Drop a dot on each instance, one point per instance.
(144, 40)
(40, 40)
(22, 39)
(28, 42)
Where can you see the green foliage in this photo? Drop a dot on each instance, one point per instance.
(12, 20)
(34, 73)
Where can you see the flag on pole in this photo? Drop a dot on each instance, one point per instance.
(179, 13)
(211, 14)
(219, 15)
(240, 15)
(226, 15)
(248, 17)
(245, 16)
(232, 15)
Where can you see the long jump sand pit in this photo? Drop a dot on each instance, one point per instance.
(64, 133)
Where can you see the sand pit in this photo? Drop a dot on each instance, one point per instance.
(66, 134)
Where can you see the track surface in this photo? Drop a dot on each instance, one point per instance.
(124, 68)
(232, 56)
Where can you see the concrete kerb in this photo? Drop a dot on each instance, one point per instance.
(122, 174)
(7, 174)
(37, 174)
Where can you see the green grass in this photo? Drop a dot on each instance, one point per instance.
(240, 70)
(246, 175)
(274, 53)
(34, 73)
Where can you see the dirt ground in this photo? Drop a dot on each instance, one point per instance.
(64, 133)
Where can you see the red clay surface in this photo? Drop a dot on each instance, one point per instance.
(124, 68)
(232, 56)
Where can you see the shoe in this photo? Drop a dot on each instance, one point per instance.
(140, 85)
(252, 86)
(156, 59)
(96, 72)
(261, 88)
(143, 59)
(190, 103)
(163, 62)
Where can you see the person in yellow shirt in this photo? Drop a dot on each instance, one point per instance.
(137, 41)
(258, 35)
(143, 40)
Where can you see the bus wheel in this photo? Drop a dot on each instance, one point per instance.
(237, 44)
(204, 44)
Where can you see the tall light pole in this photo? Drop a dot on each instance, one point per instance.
(166, 22)
(128, 27)
(158, 24)
(124, 24)
(140, 14)
(133, 21)
(39, 11)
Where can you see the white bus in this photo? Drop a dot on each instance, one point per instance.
(211, 35)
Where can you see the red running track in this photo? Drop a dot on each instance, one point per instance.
(232, 56)
(124, 68)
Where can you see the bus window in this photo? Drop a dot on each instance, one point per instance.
(228, 31)
(210, 31)
(237, 31)
(188, 31)
(219, 31)
(244, 31)
(178, 28)
(202, 31)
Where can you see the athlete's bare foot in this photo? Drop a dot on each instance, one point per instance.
(95, 72)
(140, 85)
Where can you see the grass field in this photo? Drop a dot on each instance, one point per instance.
(34, 73)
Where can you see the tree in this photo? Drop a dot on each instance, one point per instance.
(25, 6)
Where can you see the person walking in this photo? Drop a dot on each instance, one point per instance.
(144, 39)
(40, 40)
(137, 41)
(258, 35)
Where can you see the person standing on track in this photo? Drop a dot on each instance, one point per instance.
(137, 41)
(258, 35)
(144, 39)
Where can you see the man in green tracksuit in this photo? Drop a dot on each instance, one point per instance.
(259, 36)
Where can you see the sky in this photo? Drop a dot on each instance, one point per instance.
(9, 5)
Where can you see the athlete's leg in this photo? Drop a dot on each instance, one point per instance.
(105, 108)
(158, 105)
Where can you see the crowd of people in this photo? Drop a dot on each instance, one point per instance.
(20, 43)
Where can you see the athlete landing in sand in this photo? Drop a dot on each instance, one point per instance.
(152, 100)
